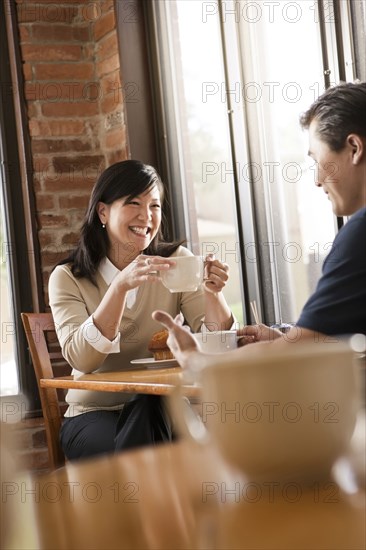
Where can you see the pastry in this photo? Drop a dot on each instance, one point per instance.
(158, 346)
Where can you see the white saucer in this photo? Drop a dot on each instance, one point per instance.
(150, 363)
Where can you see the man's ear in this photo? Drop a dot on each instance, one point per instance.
(101, 209)
(358, 147)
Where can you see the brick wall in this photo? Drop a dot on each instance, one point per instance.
(75, 108)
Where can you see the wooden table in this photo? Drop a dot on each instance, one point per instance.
(183, 496)
(141, 380)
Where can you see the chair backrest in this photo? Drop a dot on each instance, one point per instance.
(48, 362)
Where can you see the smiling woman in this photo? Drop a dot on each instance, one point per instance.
(132, 220)
(102, 298)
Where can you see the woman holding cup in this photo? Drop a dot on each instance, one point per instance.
(102, 297)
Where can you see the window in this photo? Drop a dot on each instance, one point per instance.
(19, 276)
(295, 222)
(234, 77)
(201, 143)
(9, 382)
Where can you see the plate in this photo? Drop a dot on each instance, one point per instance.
(150, 363)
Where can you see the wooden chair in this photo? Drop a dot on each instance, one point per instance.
(48, 362)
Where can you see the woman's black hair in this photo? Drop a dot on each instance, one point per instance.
(129, 179)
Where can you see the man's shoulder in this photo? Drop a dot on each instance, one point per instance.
(348, 248)
(355, 228)
(358, 217)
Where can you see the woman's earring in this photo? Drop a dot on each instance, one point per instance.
(103, 225)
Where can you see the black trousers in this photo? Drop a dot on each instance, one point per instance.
(144, 420)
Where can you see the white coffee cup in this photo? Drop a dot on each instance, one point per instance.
(185, 276)
(284, 416)
(217, 341)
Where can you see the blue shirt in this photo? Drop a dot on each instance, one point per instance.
(338, 305)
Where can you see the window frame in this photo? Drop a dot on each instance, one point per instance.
(19, 205)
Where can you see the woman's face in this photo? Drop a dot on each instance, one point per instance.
(131, 224)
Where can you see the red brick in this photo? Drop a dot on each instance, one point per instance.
(104, 24)
(92, 91)
(108, 65)
(56, 128)
(52, 242)
(37, 182)
(52, 220)
(94, 126)
(115, 139)
(111, 83)
(59, 145)
(89, 52)
(78, 218)
(106, 5)
(68, 181)
(74, 201)
(47, 13)
(27, 71)
(45, 238)
(82, 33)
(41, 165)
(57, 91)
(116, 156)
(33, 110)
(61, 33)
(37, 128)
(54, 52)
(24, 31)
(71, 239)
(109, 104)
(90, 12)
(64, 71)
(89, 164)
(108, 46)
(67, 127)
(78, 109)
(45, 202)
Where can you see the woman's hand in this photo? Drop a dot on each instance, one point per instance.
(180, 340)
(216, 275)
(257, 333)
(142, 269)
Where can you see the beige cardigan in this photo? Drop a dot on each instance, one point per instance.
(73, 300)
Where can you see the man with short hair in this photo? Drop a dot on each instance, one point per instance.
(337, 134)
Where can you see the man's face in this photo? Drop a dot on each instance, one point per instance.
(341, 179)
